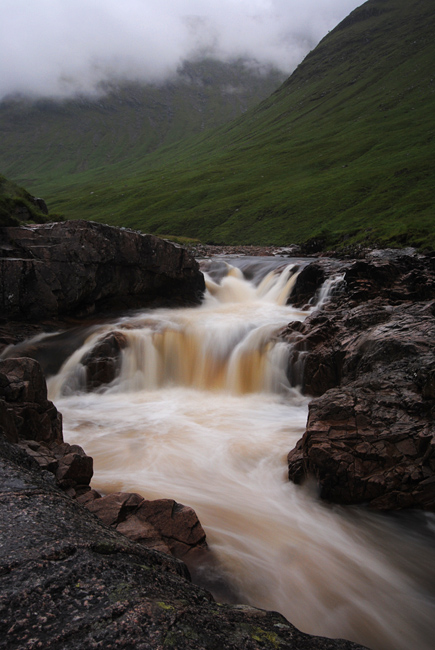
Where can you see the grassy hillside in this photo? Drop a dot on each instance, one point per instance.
(18, 206)
(45, 139)
(344, 151)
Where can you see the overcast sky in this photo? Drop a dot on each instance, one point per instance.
(61, 47)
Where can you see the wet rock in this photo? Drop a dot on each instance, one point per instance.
(74, 469)
(369, 357)
(308, 282)
(115, 508)
(78, 268)
(69, 581)
(23, 395)
(103, 362)
(162, 524)
(70, 465)
(374, 446)
(394, 276)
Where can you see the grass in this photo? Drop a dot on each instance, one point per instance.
(343, 150)
(16, 205)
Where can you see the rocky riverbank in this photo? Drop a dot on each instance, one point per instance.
(81, 569)
(368, 358)
(70, 581)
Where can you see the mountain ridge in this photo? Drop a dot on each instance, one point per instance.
(342, 151)
(45, 136)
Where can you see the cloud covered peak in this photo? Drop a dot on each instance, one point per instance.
(63, 47)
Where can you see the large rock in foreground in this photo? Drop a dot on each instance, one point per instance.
(369, 358)
(76, 268)
(69, 581)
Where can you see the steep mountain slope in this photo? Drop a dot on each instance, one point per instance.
(45, 138)
(342, 152)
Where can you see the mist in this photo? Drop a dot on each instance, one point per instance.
(61, 48)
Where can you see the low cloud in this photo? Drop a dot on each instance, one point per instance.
(60, 48)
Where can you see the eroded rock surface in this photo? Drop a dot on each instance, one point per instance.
(369, 357)
(78, 267)
(162, 524)
(25, 411)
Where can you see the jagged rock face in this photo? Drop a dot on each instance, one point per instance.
(25, 411)
(78, 267)
(370, 360)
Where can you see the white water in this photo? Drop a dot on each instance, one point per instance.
(203, 413)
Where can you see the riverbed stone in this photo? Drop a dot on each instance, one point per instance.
(161, 523)
(369, 359)
(103, 362)
(76, 268)
(23, 394)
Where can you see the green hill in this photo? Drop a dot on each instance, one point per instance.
(44, 139)
(18, 206)
(343, 151)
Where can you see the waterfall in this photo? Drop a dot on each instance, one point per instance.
(214, 347)
(202, 412)
(328, 288)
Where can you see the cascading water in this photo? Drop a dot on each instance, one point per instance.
(202, 412)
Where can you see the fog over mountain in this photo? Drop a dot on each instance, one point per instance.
(64, 47)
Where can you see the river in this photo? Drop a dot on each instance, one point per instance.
(202, 412)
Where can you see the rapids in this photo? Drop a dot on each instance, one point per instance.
(203, 413)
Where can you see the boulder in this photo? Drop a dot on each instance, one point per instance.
(392, 275)
(77, 268)
(162, 524)
(103, 362)
(369, 359)
(373, 445)
(25, 411)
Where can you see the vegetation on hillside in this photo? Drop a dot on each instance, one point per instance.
(342, 152)
(45, 139)
(18, 206)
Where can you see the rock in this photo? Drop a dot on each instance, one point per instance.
(26, 416)
(141, 531)
(78, 268)
(75, 469)
(70, 465)
(369, 357)
(369, 446)
(7, 422)
(69, 581)
(23, 394)
(308, 282)
(394, 276)
(115, 508)
(40, 204)
(177, 524)
(103, 362)
(162, 524)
